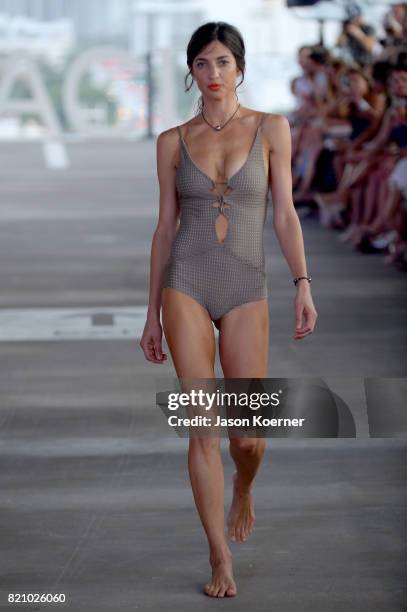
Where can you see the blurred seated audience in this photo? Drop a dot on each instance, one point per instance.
(349, 135)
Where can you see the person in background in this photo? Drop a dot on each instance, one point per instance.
(395, 23)
(354, 105)
(302, 89)
(302, 86)
(382, 206)
(358, 39)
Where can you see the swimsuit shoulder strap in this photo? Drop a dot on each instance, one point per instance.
(261, 135)
(181, 143)
(263, 116)
(179, 133)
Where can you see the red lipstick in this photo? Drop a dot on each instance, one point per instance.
(214, 87)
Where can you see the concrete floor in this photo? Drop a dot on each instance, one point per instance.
(95, 494)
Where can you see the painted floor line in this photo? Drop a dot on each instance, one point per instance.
(88, 323)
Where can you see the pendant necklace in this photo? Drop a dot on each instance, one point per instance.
(219, 127)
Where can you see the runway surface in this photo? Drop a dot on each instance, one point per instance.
(96, 500)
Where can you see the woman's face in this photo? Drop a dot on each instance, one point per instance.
(397, 83)
(303, 56)
(215, 64)
(398, 11)
(399, 78)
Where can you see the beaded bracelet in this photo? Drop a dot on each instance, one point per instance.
(295, 280)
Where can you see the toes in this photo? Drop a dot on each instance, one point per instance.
(231, 591)
(232, 533)
(237, 533)
(209, 590)
(245, 529)
(213, 589)
(240, 533)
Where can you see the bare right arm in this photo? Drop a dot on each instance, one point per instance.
(378, 142)
(163, 237)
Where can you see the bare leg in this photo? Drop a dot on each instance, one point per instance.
(371, 196)
(386, 199)
(313, 152)
(191, 341)
(377, 196)
(354, 175)
(386, 214)
(355, 195)
(311, 144)
(207, 480)
(247, 453)
(246, 326)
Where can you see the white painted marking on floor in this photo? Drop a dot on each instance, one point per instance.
(55, 154)
(10, 213)
(96, 323)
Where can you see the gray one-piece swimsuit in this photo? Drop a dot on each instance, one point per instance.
(220, 275)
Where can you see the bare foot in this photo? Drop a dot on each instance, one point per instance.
(222, 583)
(241, 514)
(349, 232)
(329, 201)
(357, 236)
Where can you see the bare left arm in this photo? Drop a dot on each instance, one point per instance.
(286, 222)
(367, 40)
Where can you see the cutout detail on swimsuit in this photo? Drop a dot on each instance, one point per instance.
(222, 222)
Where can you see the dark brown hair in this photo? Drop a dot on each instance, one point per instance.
(225, 33)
